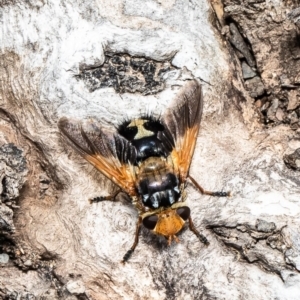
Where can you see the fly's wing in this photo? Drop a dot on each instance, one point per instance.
(182, 124)
(110, 153)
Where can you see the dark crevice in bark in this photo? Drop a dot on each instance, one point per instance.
(267, 47)
(262, 244)
(42, 160)
(277, 98)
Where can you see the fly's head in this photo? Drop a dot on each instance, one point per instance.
(167, 221)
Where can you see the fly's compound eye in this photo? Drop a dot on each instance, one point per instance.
(184, 212)
(150, 222)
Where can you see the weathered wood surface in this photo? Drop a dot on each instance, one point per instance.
(69, 249)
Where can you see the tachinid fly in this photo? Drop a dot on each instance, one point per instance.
(148, 158)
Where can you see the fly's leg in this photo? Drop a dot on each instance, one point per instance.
(106, 198)
(200, 236)
(136, 240)
(204, 192)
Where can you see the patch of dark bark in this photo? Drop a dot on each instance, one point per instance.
(263, 245)
(126, 73)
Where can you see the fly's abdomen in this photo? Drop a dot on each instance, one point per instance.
(143, 135)
(148, 147)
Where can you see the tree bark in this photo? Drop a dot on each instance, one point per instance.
(119, 60)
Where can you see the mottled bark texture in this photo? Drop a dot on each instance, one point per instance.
(113, 60)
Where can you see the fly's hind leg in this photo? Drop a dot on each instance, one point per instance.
(200, 236)
(204, 192)
(136, 240)
(111, 197)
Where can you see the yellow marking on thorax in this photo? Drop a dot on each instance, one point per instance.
(142, 132)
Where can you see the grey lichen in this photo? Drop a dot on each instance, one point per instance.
(13, 172)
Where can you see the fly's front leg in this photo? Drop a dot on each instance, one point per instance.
(204, 192)
(136, 240)
(200, 236)
(111, 197)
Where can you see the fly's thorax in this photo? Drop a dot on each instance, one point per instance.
(167, 221)
(157, 184)
(154, 164)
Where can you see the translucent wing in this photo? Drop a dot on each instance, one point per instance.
(182, 123)
(110, 153)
